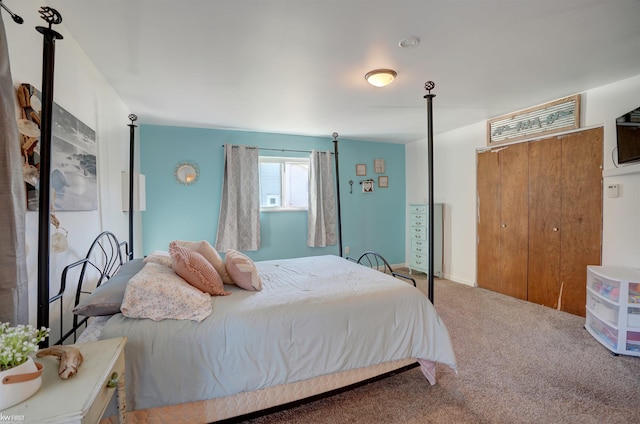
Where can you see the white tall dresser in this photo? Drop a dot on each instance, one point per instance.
(419, 238)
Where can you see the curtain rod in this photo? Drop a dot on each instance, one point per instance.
(275, 150)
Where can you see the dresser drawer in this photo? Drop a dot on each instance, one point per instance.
(419, 246)
(418, 233)
(417, 208)
(418, 219)
(419, 257)
(418, 263)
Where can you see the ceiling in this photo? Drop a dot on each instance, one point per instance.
(298, 66)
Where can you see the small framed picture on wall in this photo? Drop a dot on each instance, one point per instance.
(378, 166)
(383, 181)
(361, 169)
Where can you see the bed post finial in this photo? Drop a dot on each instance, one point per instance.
(429, 85)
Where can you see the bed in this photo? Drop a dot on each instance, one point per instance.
(318, 324)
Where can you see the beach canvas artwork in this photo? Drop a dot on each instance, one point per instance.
(73, 155)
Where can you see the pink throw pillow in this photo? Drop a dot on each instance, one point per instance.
(196, 270)
(243, 271)
(204, 248)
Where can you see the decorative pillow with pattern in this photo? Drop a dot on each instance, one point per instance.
(157, 293)
(204, 248)
(196, 270)
(243, 271)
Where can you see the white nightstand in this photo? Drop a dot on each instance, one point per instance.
(82, 398)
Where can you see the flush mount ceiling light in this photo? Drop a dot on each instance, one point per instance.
(380, 77)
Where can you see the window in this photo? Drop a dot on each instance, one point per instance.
(284, 183)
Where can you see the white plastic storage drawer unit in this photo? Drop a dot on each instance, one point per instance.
(613, 308)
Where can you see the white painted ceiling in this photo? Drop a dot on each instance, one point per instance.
(297, 66)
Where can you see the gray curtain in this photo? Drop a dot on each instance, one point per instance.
(13, 267)
(322, 201)
(239, 222)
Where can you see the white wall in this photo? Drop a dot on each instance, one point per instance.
(621, 229)
(82, 90)
(455, 183)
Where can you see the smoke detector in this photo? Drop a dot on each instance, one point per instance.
(409, 42)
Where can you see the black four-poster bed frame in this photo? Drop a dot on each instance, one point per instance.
(52, 17)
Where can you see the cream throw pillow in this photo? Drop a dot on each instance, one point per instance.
(243, 271)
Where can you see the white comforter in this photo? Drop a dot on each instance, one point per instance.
(314, 316)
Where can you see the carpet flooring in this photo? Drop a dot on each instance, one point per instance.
(518, 363)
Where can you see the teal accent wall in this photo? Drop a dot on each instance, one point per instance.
(370, 221)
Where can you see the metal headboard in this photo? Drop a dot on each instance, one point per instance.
(105, 255)
(375, 260)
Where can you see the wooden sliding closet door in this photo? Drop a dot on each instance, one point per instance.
(545, 212)
(488, 221)
(502, 220)
(581, 238)
(514, 228)
(565, 218)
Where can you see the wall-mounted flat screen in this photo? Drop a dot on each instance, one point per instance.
(628, 137)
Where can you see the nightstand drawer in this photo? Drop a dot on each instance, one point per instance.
(105, 393)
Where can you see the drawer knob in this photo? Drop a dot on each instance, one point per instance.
(555, 228)
(113, 381)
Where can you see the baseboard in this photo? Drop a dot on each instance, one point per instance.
(460, 280)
